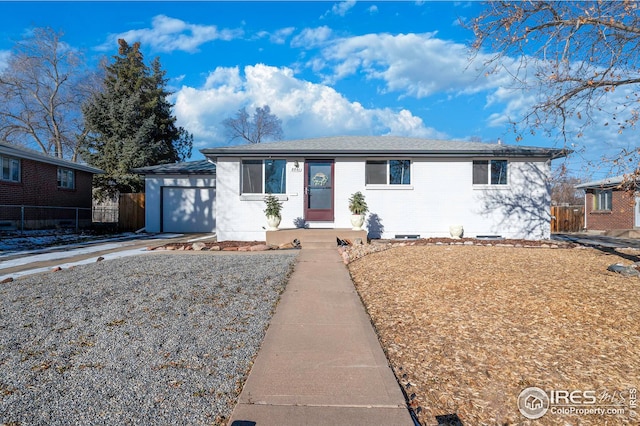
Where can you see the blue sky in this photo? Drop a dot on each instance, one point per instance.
(325, 68)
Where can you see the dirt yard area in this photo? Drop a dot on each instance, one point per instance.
(467, 328)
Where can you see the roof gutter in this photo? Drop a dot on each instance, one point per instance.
(43, 158)
(553, 154)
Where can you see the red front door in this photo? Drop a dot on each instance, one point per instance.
(318, 190)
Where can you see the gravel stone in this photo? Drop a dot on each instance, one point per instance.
(163, 339)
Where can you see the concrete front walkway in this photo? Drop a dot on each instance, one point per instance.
(320, 362)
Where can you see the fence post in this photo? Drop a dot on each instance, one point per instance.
(22, 219)
(77, 223)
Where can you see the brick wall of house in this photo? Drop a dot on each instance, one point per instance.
(620, 216)
(38, 187)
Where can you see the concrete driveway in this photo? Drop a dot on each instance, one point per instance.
(18, 264)
(597, 240)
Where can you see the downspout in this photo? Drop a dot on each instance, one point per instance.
(585, 210)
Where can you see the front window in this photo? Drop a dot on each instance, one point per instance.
(65, 178)
(264, 177)
(602, 199)
(388, 172)
(492, 172)
(10, 169)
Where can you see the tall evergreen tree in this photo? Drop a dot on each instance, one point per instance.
(131, 124)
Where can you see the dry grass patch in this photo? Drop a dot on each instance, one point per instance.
(468, 328)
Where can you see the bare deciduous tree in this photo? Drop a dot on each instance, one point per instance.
(262, 126)
(41, 93)
(581, 58)
(563, 190)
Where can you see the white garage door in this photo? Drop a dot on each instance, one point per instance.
(188, 209)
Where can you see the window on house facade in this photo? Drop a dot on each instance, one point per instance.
(602, 199)
(264, 177)
(388, 172)
(10, 169)
(66, 178)
(493, 172)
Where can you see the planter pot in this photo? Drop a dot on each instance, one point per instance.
(456, 231)
(357, 220)
(273, 222)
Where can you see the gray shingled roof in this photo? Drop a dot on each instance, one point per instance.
(30, 154)
(201, 167)
(602, 183)
(372, 146)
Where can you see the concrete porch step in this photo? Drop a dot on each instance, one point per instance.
(318, 245)
(315, 238)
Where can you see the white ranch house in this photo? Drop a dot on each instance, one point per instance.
(413, 187)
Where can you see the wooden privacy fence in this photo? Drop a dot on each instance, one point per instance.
(131, 212)
(567, 218)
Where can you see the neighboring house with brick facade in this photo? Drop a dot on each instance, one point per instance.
(38, 190)
(610, 207)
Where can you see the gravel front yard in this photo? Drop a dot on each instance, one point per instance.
(466, 329)
(157, 339)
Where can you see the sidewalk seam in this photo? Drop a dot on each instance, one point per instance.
(265, 404)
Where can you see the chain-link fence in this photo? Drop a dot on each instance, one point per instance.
(21, 218)
(123, 213)
(105, 214)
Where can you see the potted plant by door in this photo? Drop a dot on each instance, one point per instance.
(274, 206)
(358, 208)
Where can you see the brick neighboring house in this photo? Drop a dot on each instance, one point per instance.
(610, 207)
(43, 190)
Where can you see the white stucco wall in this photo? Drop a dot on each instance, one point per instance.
(242, 217)
(153, 191)
(441, 194)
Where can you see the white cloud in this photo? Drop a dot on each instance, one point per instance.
(599, 143)
(224, 78)
(310, 38)
(278, 37)
(372, 9)
(4, 59)
(341, 8)
(306, 109)
(513, 103)
(169, 34)
(417, 65)
(464, 5)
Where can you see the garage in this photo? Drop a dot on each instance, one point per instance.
(180, 197)
(188, 210)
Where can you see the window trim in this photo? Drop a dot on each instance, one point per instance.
(608, 193)
(388, 184)
(11, 161)
(253, 195)
(61, 182)
(489, 184)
